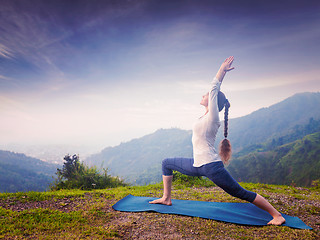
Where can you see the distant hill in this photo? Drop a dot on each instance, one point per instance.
(293, 134)
(295, 163)
(19, 172)
(139, 161)
(273, 121)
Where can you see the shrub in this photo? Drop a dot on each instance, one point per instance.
(190, 181)
(75, 174)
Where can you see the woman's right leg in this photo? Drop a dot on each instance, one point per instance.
(220, 176)
(183, 165)
(262, 203)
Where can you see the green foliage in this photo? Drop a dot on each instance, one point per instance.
(180, 179)
(316, 184)
(75, 174)
(296, 163)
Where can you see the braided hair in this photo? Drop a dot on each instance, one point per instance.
(225, 146)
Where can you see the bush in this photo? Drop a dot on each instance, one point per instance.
(75, 174)
(190, 181)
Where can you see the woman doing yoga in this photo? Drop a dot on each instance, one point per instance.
(206, 161)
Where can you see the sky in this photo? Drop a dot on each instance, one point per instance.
(98, 73)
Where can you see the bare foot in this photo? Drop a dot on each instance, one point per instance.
(163, 201)
(277, 221)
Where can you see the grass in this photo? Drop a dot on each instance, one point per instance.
(76, 214)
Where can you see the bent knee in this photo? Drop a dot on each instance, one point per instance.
(164, 161)
(165, 170)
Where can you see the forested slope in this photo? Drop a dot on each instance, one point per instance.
(19, 172)
(296, 163)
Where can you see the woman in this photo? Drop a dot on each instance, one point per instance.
(206, 161)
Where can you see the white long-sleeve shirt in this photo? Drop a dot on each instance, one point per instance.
(205, 130)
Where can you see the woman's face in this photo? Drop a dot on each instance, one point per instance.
(204, 100)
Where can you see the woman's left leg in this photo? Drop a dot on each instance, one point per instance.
(183, 165)
(166, 196)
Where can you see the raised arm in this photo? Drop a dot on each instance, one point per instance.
(213, 94)
(225, 67)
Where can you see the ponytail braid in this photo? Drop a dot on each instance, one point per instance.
(225, 146)
(226, 114)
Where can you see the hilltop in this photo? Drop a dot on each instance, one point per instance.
(75, 214)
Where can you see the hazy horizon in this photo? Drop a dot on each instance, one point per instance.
(98, 73)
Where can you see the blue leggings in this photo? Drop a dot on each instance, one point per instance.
(215, 171)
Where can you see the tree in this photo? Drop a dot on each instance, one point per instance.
(71, 168)
(75, 174)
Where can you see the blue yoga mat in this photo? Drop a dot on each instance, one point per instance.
(239, 213)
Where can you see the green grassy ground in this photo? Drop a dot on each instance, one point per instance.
(75, 214)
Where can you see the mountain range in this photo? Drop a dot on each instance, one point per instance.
(273, 121)
(139, 161)
(279, 144)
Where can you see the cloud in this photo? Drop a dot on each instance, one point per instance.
(271, 81)
(5, 52)
(78, 70)
(291, 35)
(5, 78)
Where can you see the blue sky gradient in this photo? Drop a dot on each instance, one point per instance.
(102, 72)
